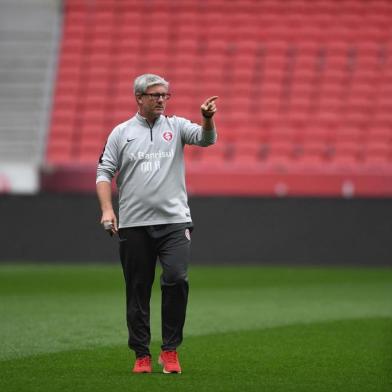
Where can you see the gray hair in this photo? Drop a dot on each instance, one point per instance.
(143, 82)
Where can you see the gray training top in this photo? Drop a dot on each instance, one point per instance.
(150, 165)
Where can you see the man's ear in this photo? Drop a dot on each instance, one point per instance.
(138, 99)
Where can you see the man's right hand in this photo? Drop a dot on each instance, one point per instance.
(109, 222)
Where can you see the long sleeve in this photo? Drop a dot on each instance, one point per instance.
(108, 162)
(192, 133)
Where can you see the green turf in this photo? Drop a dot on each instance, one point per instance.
(251, 328)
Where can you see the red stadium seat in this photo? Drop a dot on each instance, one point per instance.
(303, 85)
(247, 152)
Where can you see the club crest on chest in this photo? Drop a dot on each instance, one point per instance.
(167, 136)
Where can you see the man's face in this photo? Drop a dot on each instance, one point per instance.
(151, 106)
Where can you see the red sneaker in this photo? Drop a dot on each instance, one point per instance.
(169, 361)
(142, 365)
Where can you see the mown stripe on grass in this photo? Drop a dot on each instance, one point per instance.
(50, 308)
(40, 324)
(335, 356)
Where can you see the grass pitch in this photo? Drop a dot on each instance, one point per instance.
(248, 329)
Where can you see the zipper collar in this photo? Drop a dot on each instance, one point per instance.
(143, 121)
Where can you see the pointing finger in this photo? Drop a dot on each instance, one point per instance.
(211, 99)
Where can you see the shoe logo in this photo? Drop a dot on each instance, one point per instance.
(129, 140)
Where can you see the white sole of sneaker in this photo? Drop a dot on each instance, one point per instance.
(164, 370)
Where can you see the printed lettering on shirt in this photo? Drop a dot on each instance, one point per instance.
(151, 162)
(152, 155)
(150, 166)
(146, 166)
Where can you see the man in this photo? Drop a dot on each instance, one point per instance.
(154, 218)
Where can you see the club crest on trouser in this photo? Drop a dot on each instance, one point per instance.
(188, 234)
(167, 136)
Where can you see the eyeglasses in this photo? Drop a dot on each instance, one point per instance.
(156, 96)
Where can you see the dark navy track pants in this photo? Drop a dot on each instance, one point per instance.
(140, 248)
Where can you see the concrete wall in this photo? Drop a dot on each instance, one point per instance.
(54, 228)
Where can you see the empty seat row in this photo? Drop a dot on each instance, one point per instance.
(299, 83)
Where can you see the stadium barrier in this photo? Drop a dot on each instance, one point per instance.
(65, 228)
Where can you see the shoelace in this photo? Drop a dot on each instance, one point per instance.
(171, 356)
(144, 361)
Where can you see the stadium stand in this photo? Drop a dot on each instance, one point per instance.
(28, 40)
(305, 90)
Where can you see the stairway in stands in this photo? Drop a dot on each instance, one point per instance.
(28, 43)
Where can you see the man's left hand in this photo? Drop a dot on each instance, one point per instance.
(208, 108)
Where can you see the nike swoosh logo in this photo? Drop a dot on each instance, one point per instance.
(129, 140)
